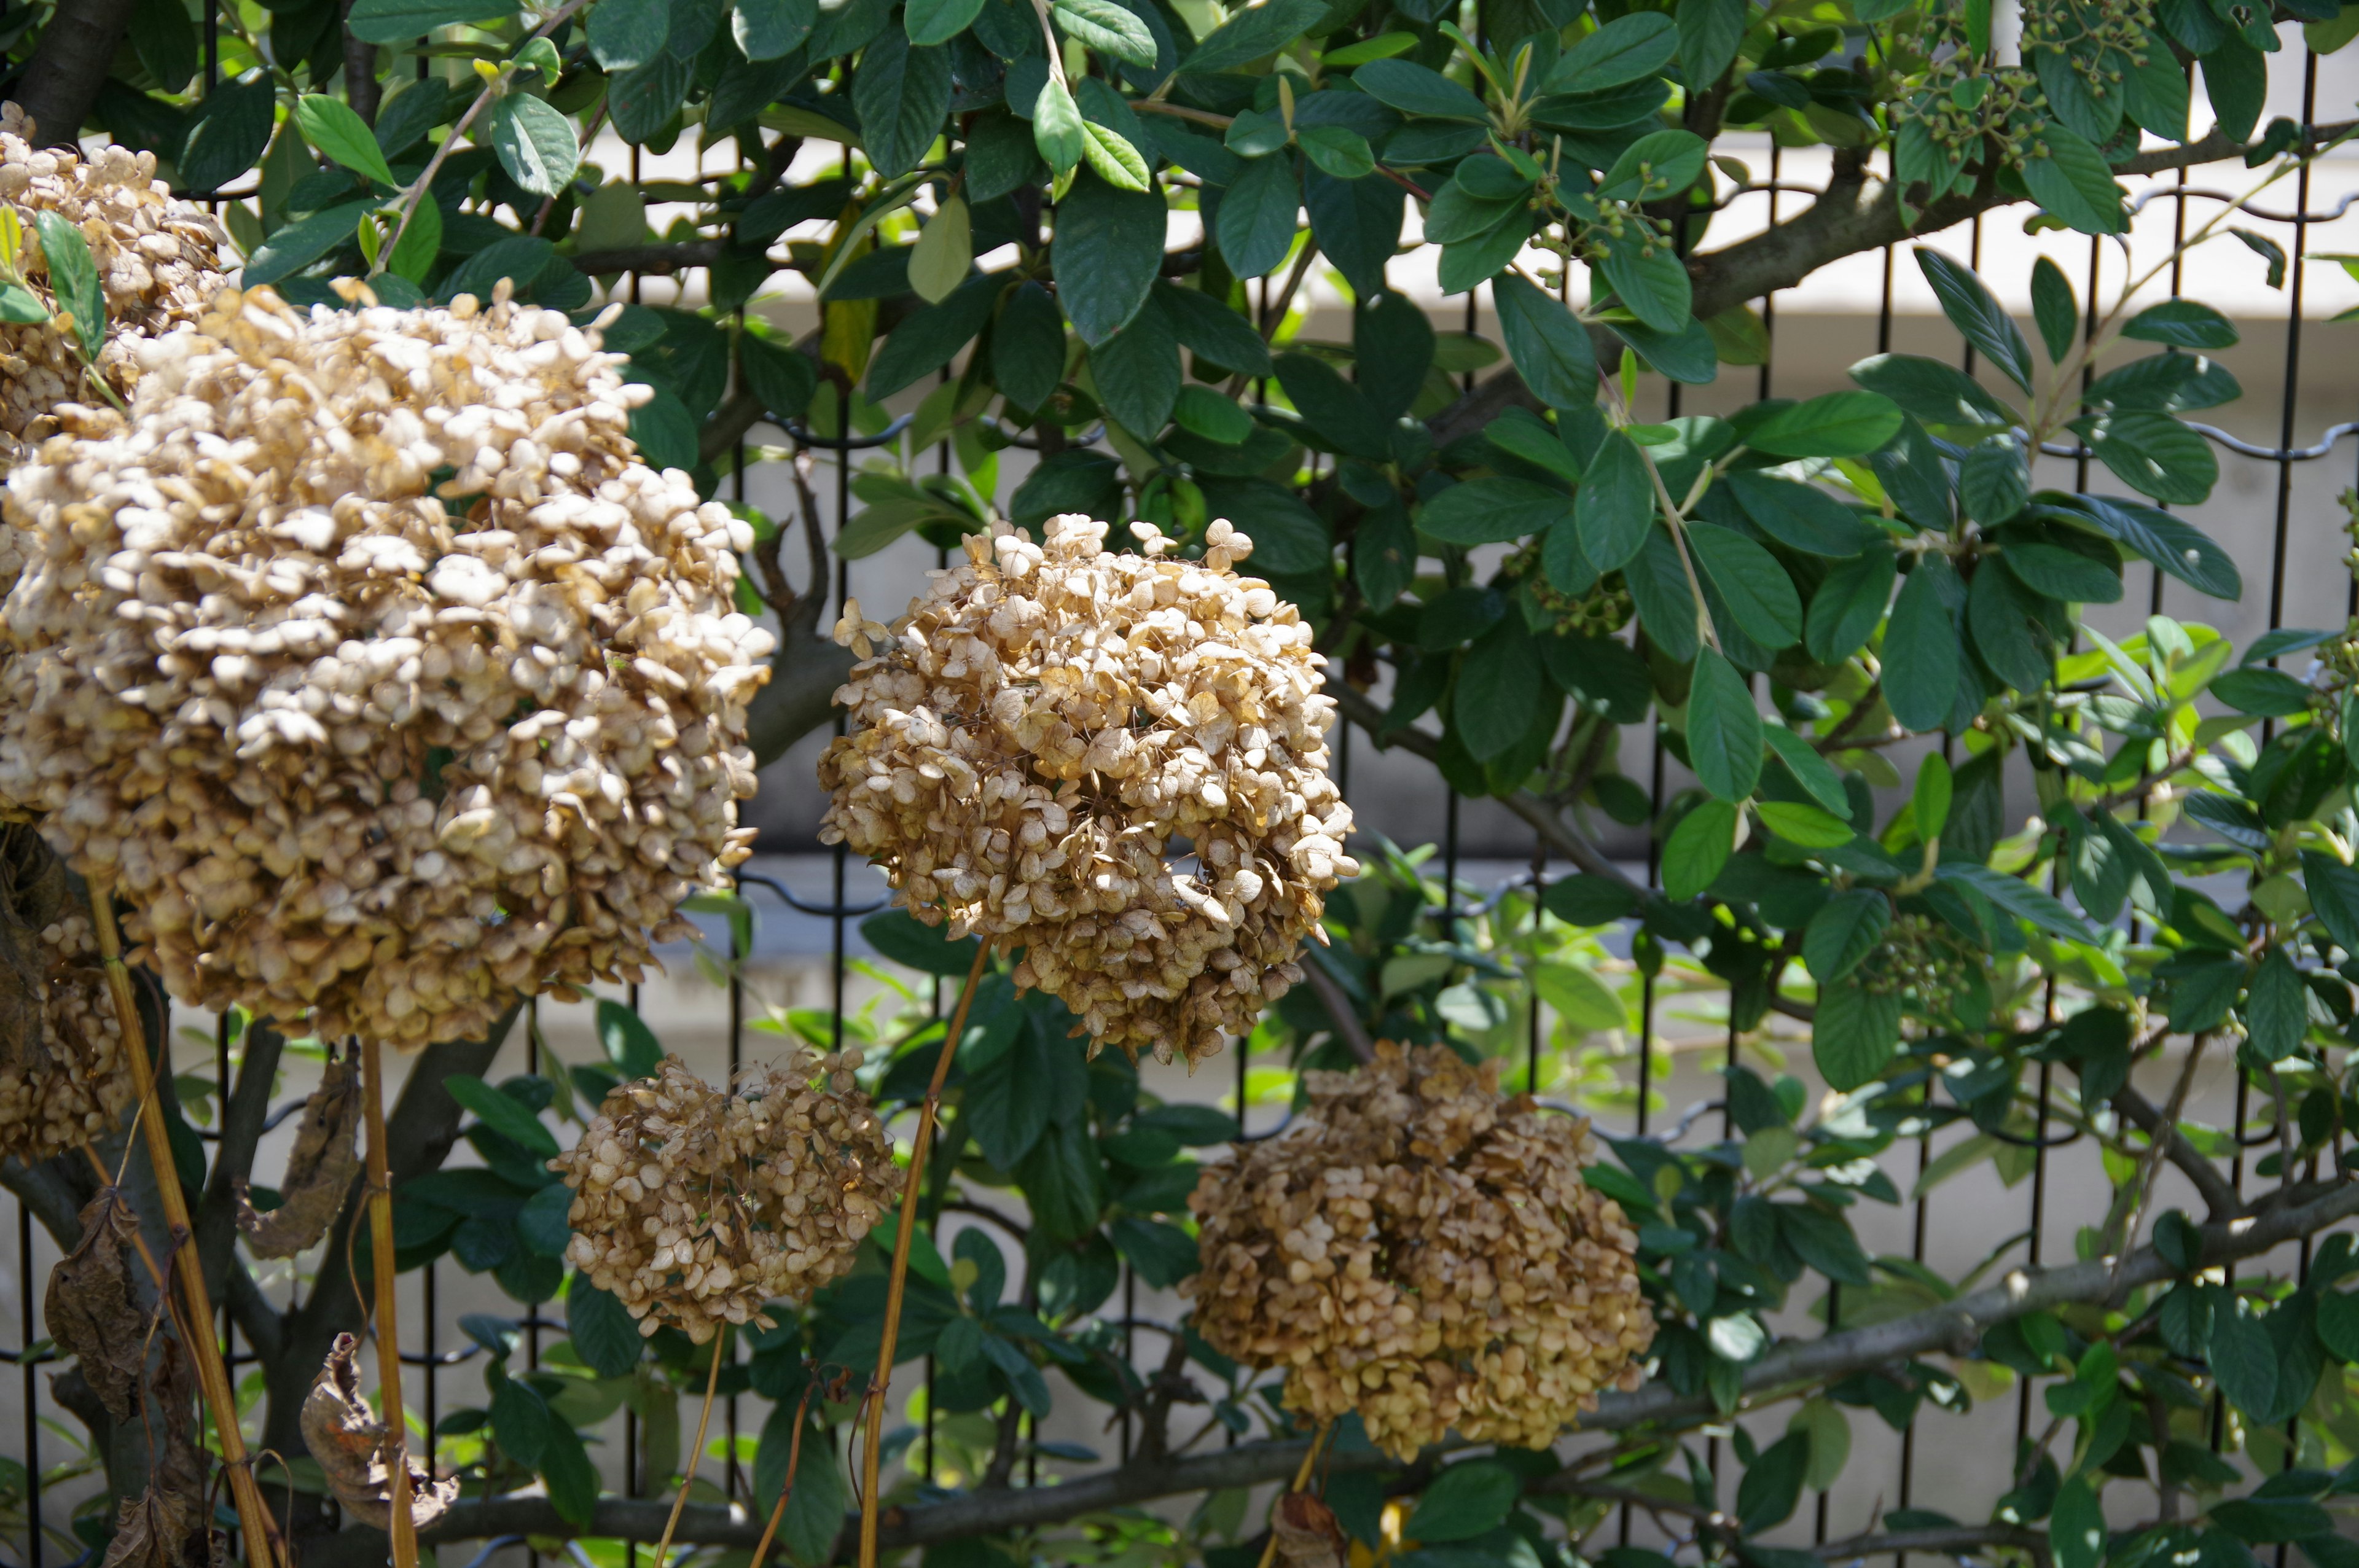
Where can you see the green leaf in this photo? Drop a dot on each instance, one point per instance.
(604, 1334)
(1650, 279)
(1805, 824)
(2277, 1007)
(1772, 1486)
(1109, 28)
(2243, 1363)
(402, 22)
(1466, 1499)
(2156, 455)
(1006, 1103)
(930, 22)
(1812, 772)
(502, 1114)
(1417, 89)
(1491, 510)
(420, 244)
(1844, 931)
(1751, 582)
(520, 1422)
(1256, 227)
(1931, 803)
(1724, 728)
(931, 338)
(1799, 516)
(1110, 153)
(2073, 182)
(1850, 600)
(74, 280)
(1058, 128)
(1835, 424)
(1357, 223)
(1659, 164)
(1856, 1034)
(1920, 656)
(1333, 407)
(1498, 693)
(901, 91)
(626, 34)
(2020, 899)
(1210, 329)
(1936, 393)
(333, 127)
(945, 253)
(1977, 316)
(1615, 507)
(1251, 32)
(1136, 372)
(535, 144)
(20, 305)
(627, 1041)
(2054, 309)
(1698, 848)
(2076, 1530)
(2334, 890)
(2183, 323)
(572, 1480)
(1108, 250)
(1709, 31)
(1999, 618)
(1550, 349)
(229, 134)
(642, 101)
(1624, 49)
(772, 29)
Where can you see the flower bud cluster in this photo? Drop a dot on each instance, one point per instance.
(370, 663)
(76, 1087)
(695, 1205)
(1421, 1249)
(1028, 744)
(158, 261)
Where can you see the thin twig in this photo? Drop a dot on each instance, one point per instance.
(696, 1454)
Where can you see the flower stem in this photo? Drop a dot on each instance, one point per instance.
(881, 1381)
(253, 1518)
(1302, 1480)
(696, 1452)
(787, 1489)
(387, 1328)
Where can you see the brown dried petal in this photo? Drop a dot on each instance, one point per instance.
(93, 1309)
(1309, 1535)
(344, 1435)
(318, 1172)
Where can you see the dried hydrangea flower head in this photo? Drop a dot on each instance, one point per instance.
(695, 1206)
(1421, 1249)
(1028, 744)
(355, 738)
(158, 261)
(74, 1087)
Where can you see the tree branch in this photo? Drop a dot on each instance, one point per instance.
(243, 1114)
(61, 80)
(656, 256)
(1955, 1326)
(2140, 1113)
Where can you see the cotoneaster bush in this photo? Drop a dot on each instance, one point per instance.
(1501, 560)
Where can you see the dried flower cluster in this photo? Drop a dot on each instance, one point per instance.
(1422, 1250)
(1025, 746)
(158, 261)
(76, 1085)
(354, 738)
(695, 1206)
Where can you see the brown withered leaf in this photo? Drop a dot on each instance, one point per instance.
(1308, 1534)
(150, 1532)
(344, 1435)
(32, 891)
(93, 1304)
(318, 1172)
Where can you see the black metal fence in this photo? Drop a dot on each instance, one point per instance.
(2297, 542)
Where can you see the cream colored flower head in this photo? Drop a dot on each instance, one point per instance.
(1421, 1249)
(1114, 762)
(695, 1206)
(158, 262)
(372, 667)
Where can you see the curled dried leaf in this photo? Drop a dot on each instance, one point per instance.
(160, 1529)
(1308, 1534)
(318, 1172)
(344, 1435)
(94, 1308)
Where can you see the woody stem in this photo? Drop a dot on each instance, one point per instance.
(881, 1381)
(695, 1453)
(212, 1377)
(387, 1328)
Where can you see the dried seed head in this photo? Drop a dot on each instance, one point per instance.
(695, 1206)
(159, 261)
(348, 750)
(1421, 1249)
(1026, 745)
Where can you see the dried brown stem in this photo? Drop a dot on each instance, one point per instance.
(388, 1336)
(880, 1381)
(696, 1452)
